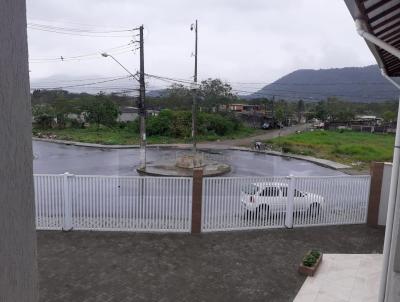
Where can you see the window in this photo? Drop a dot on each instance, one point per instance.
(270, 192)
(250, 189)
(297, 193)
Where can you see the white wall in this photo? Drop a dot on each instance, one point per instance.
(383, 205)
(18, 272)
(127, 117)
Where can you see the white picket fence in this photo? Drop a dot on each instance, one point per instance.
(113, 203)
(164, 204)
(240, 203)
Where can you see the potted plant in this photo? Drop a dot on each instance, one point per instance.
(310, 263)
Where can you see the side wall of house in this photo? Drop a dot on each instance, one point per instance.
(383, 205)
(18, 269)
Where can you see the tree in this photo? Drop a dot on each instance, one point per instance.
(300, 109)
(282, 112)
(102, 111)
(215, 92)
(280, 115)
(43, 115)
(179, 96)
(321, 111)
(389, 116)
(63, 107)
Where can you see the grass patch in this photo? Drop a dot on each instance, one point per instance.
(128, 136)
(352, 148)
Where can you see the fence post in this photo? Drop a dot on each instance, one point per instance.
(290, 202)
(197, 197)
(375, 193)
(67, 203)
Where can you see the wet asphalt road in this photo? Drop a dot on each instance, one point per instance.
(51, 158)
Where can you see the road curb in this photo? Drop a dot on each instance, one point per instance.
(318, 161)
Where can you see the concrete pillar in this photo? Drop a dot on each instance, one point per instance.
(18, 270)
(375, 193)
(197, 196)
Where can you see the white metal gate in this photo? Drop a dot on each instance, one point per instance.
(239, 203)
(113, 203)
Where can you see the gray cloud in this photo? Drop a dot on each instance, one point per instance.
(239, 41)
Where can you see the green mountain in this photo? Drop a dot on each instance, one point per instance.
(357, 84)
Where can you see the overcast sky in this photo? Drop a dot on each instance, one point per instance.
(239, 40)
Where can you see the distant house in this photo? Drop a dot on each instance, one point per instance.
(152, 112)
(81, 117)
(241, 107)
(363, 123)
(128, 114)
(235, 107)
(368, 119)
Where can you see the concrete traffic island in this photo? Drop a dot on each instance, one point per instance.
(183, 166)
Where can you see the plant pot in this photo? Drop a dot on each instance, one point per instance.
(309, 270)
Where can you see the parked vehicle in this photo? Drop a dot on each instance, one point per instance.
(259, 146)
(266, 125)
(272, 197)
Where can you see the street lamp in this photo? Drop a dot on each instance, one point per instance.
(142, 112)
(194, 105)
(104, 54)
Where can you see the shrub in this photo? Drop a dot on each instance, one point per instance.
(286, 147)
(178, 124)
(122, 125)
(215, 123)
(311, 258)
(160, 125)
(315, 253)
(73, 123)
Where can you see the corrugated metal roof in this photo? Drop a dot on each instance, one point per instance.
(382, 18)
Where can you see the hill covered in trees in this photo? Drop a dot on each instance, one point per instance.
(355, 84)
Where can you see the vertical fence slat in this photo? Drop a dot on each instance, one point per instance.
(164, 204)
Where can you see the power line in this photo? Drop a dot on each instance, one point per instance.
(188, 83)
(85, 84)
(312, 84)
(285, 96)
(171, 80)
(119, 49)
(63, 22)
(279, 90)
(78, 80)
(80, 32)
(89, 54)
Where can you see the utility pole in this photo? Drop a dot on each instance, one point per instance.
(194, 105)
(272, 109)
(142, 105)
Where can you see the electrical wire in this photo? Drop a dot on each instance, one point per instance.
(79, 58)
(188, 84)
(78, 80)
(63, 22)
(95, 55)
(84, 84)
(80, 31)
(275, 90)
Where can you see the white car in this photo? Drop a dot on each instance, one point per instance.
(271, 197)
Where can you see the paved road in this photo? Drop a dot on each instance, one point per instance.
(248, 141)
(53, 158)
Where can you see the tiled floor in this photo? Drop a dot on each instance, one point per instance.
(343, 278)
